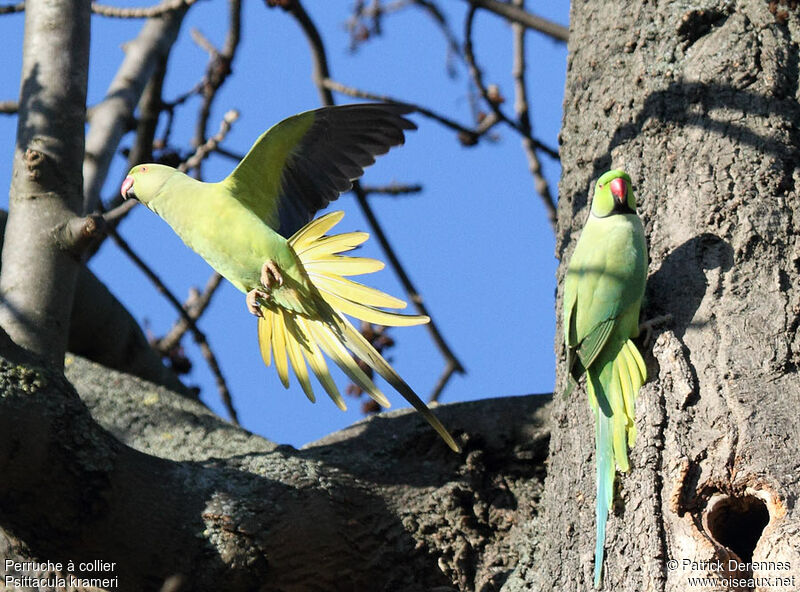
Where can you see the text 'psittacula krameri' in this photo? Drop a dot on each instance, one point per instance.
(603, 293)
(254, 227)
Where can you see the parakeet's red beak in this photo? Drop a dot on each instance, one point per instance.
(127, 184)
(619, 190)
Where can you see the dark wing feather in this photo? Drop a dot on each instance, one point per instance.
(304, 162)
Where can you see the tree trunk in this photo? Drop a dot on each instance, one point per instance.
(38, 273)
(700, 106)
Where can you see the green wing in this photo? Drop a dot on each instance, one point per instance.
(602, 287)
(304, 162)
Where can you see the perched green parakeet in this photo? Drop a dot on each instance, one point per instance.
(254, 227)
(603, 293)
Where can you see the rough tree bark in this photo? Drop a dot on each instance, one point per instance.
(699, 102)
(166, 488)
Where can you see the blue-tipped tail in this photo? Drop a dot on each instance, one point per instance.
(604, 450)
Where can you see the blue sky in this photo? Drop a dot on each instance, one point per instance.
(476, 241)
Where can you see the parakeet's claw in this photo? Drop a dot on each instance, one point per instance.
(270, 274)
(647, 326)
(252, 299)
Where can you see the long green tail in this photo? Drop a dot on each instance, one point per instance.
(612, 394)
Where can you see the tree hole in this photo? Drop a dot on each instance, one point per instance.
(737, 523)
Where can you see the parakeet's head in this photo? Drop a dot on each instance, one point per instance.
(144, 181)
(613, 194)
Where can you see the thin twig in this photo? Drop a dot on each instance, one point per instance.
(169, 108)
(453, 46)
(117, 12)
(217, 71)
(449, 369)
(199, 336)
(12, 8)
(318, 54)
(195, 307)
(490, 94)
(115, 215)
(9, 107)
(210, 145)
(145, 12)
(229, 154)
(204, 43)
(523, 116)
(467, 136)
(375, 12)
(321, 73)
(111, 118)
(515, 14)
(150, 106)
(392, 188)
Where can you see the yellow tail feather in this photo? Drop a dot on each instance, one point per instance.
(314, 229)
(279, 348)
(371, 314)
(294, 339)
(265, 336)
(294, 336)
(319, 367)
(328, 245)
(337, 264)
(354, 291)
(342, 358)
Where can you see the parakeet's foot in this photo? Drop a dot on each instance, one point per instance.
(270, 274)
(647, 326)
(252, 301)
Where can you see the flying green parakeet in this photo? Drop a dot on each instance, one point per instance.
(603, 293)
(254, 227)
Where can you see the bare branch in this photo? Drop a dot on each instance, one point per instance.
(12, 8)
(515, 14)
(321, 73)
(115, 215)
(195, 306)
(453, 46)
(448, 372)
(523, 116)
(491, 94)
(228, 154)
(392, 188)
(318, 55)
(359, 32)
(146, 12)
(210, 145)
(204, 43)
(151, 106)
(467, 136)
(111, 117)
(217, 71)
(9, 107)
